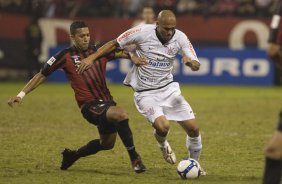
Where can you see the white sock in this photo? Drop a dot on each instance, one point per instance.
(161, 140)
(194, 145)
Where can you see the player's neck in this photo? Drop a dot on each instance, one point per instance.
(80, 49)
(161, 39)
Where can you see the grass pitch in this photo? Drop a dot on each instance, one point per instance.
(236, 123)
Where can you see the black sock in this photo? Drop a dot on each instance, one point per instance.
(279, 127)
(125, 134)
(272, 171)
(90, 148)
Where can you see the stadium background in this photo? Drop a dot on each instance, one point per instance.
(222, 33)
(237, 113)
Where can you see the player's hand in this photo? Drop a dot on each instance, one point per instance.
(194, 65)
(84, 65)
(14, 100)
(138, 60)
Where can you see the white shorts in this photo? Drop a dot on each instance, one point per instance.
(166, 101)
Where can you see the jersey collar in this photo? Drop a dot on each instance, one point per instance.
(160, 38)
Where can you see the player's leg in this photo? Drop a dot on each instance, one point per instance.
(94, 114)
(148, 104)
(161, 129)
(176, 108)
(106, 142)
(193, 138)
(274, 148)
(119, 117)
(275, 37)
(274, 52)
(273, 154)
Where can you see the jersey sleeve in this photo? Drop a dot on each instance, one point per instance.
(130, 36)
(53, 63)
(187, 48)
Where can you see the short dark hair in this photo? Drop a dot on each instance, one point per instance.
(76, 25)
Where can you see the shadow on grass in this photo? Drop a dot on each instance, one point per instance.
(222, 179)
(120, 172)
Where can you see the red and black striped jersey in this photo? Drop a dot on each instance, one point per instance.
(275, 35)
(91, 84)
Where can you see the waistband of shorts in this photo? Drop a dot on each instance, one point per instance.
(151, 89)
(96, 102)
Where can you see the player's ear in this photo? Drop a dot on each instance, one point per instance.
(72, 37)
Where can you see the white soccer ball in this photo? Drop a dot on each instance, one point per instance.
(188, 169)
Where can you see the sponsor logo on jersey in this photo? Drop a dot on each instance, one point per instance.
(159, 64)
(128, 33)
(51, 61)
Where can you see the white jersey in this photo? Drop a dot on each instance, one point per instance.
(158, 72)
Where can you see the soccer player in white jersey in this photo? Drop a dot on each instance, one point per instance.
(148, 17)
(156, 95)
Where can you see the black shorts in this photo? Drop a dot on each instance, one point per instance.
(95, 113)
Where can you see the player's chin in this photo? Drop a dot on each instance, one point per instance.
(167, 39)
(84, 46)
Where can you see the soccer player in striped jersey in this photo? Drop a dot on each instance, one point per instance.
(275, 37)
(157, 96)
(273, 150)
(92, 96)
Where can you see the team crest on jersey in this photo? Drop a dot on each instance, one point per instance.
(150, 111)
(171, 51)
(76, 60)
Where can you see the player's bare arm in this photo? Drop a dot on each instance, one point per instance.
(32, 84)
(102, 51)
(193, 64)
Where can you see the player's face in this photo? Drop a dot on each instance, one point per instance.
(148, 15)
(81, 38)
(166, 30)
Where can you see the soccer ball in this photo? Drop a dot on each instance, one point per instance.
(188, 169)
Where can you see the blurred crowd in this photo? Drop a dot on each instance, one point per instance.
(132, 8)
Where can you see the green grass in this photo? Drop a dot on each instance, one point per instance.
(236, 123)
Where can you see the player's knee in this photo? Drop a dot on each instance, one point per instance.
(270, 148)
(273, 152)
(163, 130)
(162, 126)
(193, 130)
(121, 115)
